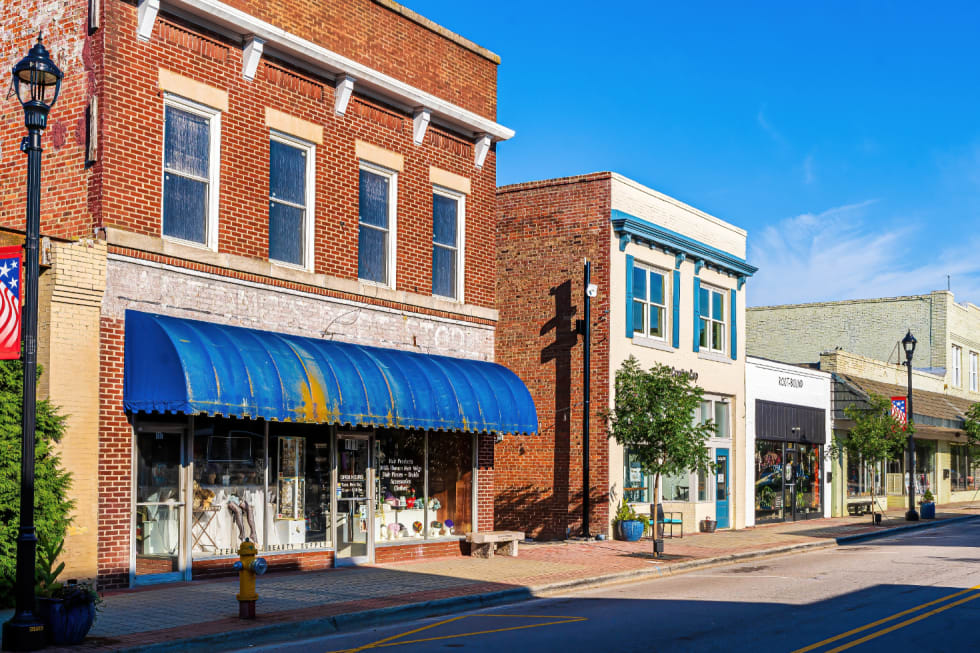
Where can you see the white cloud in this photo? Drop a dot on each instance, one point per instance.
(838, 254)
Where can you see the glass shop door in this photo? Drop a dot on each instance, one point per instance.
(354, 532)
(159, 523)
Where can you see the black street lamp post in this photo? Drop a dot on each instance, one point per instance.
(908, 343)
(37, 82)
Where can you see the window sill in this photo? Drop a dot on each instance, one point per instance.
(717, 357)
(652, 343)
(289, 266)
(188, 243)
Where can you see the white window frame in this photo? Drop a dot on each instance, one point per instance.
(309, 216)
(392, 249)
(214, 167)
(647, 304)
(974, 365)
(709, 345)
(460, 239)
(957, 356)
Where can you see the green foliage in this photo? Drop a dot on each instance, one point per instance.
(971, 424)
(51, 482)
(47, 568)
(625, 512)
(927, 497)
(654, 417)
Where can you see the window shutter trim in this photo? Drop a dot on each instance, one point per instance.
(629, 296)
(697, 313)
(734, 338)
(676, 330)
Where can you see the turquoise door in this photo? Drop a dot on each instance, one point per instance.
(721, 481)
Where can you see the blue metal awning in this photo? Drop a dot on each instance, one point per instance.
(187, 366)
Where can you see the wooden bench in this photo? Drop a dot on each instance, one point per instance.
(485, 544)
(859, 507)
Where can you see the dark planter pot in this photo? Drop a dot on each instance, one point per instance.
(708, 525)
(631, 530)
(927, 510)
(66, 623)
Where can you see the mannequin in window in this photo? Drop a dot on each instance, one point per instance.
(237, 506)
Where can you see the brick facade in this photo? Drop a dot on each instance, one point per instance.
(117, 198)
(544, 231)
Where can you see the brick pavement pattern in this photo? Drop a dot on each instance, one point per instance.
(184, 610)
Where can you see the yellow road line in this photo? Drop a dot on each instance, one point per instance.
(389, 641)
(854, 631)
(411, 632)
(902, 624)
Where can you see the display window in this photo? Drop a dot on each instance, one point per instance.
(450, 483)
(400, 513)
(864, 478)
(964, 467)
(925, 466)
(787, 481)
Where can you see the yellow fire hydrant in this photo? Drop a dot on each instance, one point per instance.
(249, 566)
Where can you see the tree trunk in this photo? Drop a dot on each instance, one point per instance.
(658, 529)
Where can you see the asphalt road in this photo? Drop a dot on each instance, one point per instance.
(914, 592)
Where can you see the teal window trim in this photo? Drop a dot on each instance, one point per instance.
(734, 339)
(629, 296)
(697, 314)
(675, 334)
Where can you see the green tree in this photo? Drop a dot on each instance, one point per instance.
(654, 417)
(51, 482)
(876, 436)
(971, 424)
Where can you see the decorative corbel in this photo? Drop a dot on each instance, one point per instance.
(342, 93)
(741, 281)
(624, 240)
(698, 265)
(251, 54)
(420, 122)
(146, 15)
(678, 259)
(481, 149)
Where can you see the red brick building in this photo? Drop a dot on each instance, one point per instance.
(227, 187)
(670, 282)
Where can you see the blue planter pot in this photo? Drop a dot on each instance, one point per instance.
(66, 623)
(631, 530)
(927, 510)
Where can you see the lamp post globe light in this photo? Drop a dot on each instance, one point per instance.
(36, 83)
(908, 344)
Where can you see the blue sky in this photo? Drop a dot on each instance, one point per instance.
(843, 136)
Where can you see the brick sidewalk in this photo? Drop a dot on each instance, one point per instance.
(206, 609)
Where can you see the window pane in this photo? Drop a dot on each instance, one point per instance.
(287, 173)
(705, 412)
(703, 298)
(721, 419)
(184, 208)
(638, 308)
(677, 487)
(703, 333)
(635, 482)
(717, 336)
(371, 254)
(451, 481)
(639, 283)
(717, 306)
(444, 220)
(702, 486)
(374, 199)
(401, 486)
(187, 142)
(656, 288)
(656, 322)
(285, 233)
(443, 271)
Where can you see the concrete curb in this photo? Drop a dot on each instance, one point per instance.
(317, 627)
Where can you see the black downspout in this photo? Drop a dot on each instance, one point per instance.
(586, 398)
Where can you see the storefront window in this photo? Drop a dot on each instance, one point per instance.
(400, 487)
(863, 478)
(299, 488)
(450, 483)
(677, 487)
(964, 467)
(702, 486)
(636, 483)
(229, 486)
(925, 466)
(768, 481)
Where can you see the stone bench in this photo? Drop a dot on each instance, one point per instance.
(485, 544)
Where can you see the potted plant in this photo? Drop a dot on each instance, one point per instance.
(68, 610)
(766, 497)
(628, 526)
(927, 506)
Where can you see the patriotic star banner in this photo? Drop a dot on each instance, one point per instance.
(10, 282)
(898, 407)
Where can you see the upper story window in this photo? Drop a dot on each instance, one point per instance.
(649, 303)
(957, 363)
(719, 411)
(974, 381)
(190, 171)
(711, 325)
(376, 225)
(291, 192)
(447, 238)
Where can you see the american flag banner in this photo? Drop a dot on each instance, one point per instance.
(898, 411)
(10, 281)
